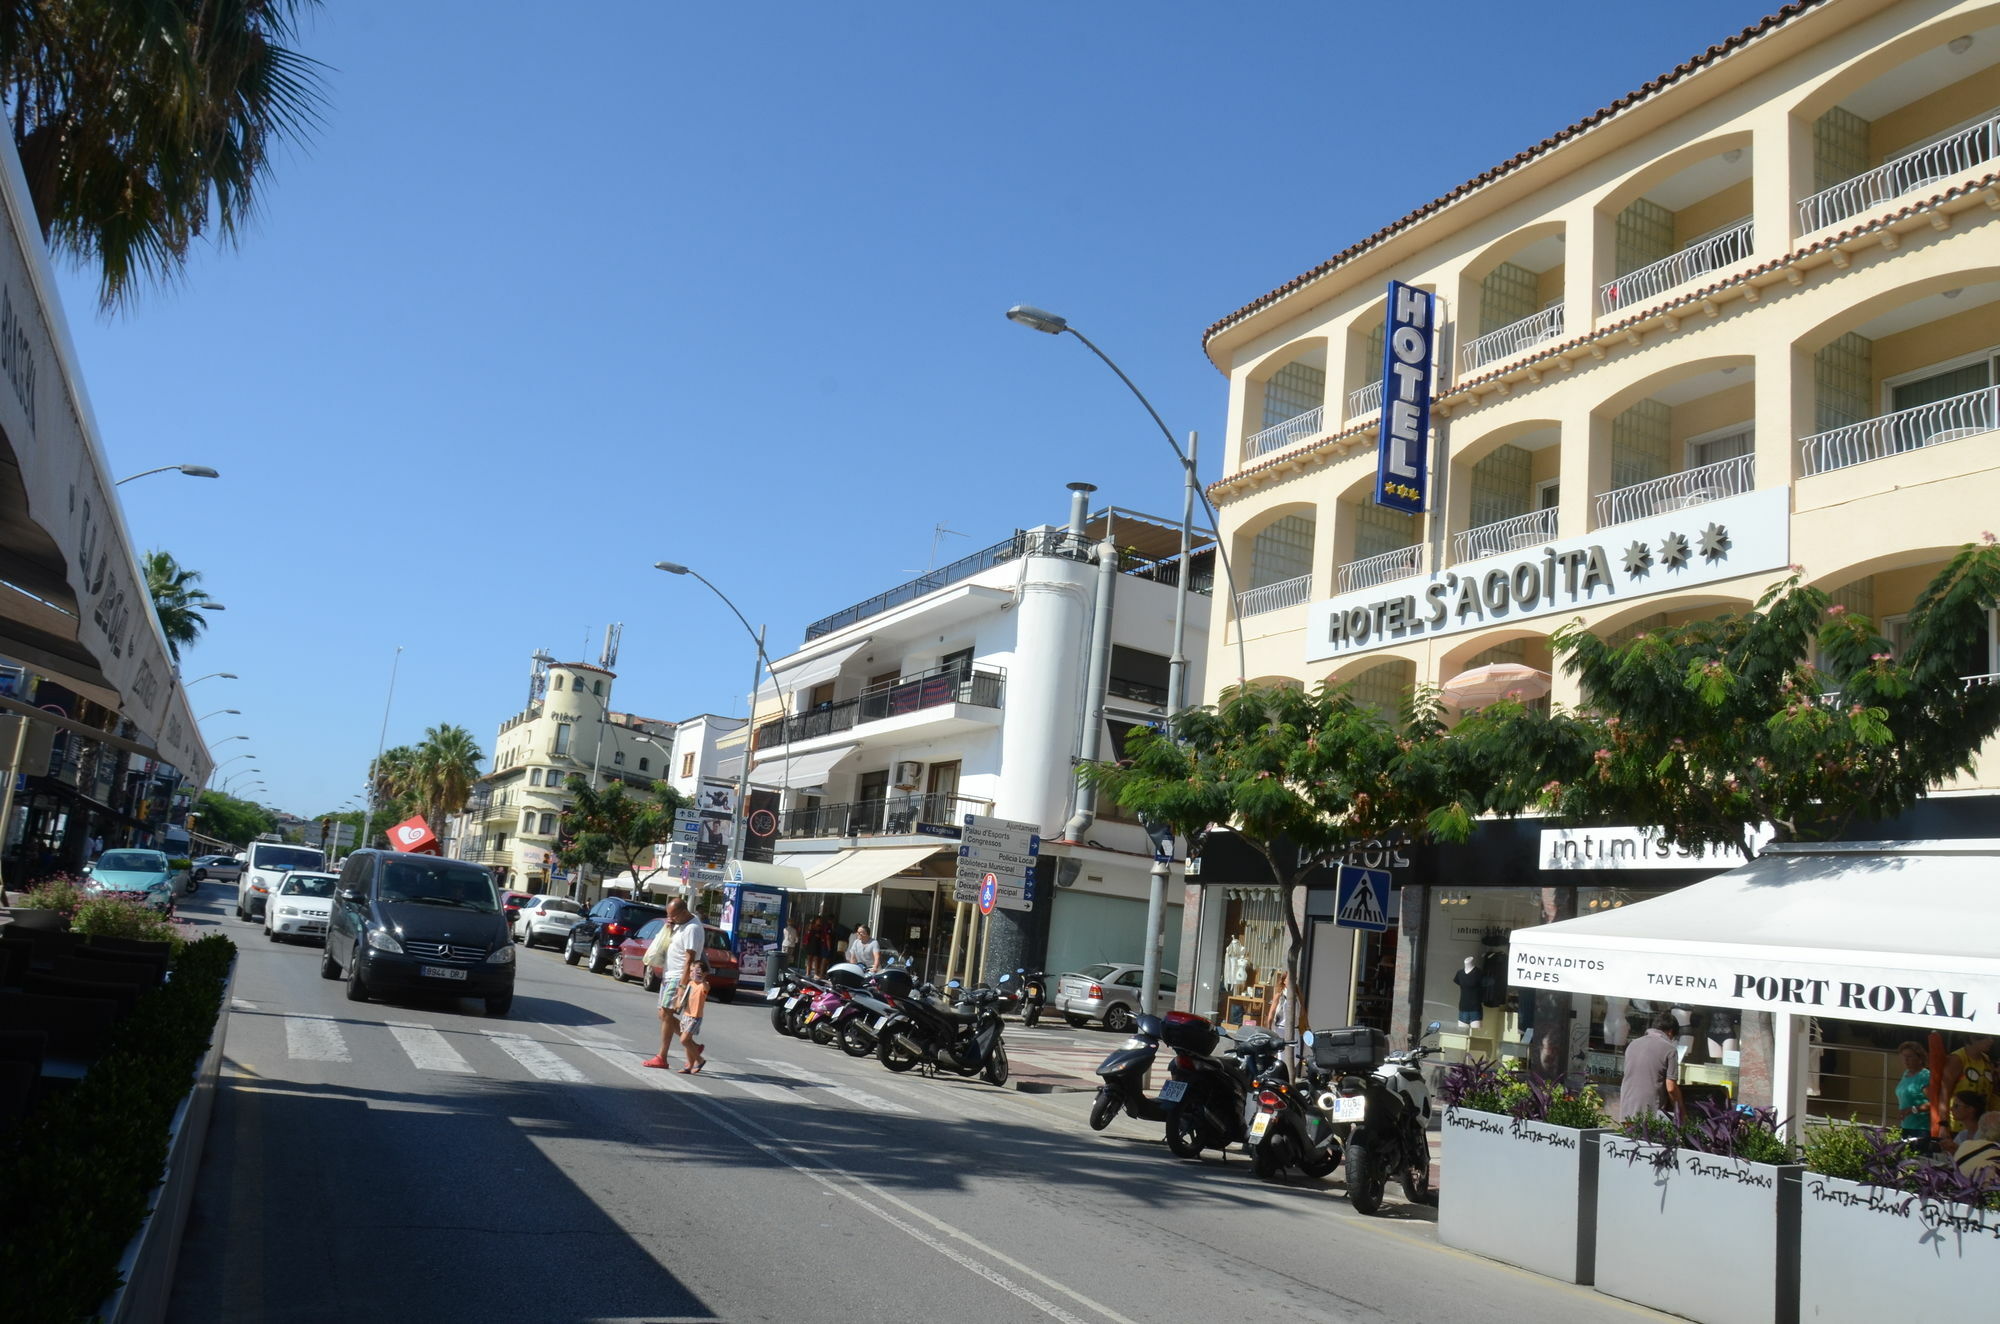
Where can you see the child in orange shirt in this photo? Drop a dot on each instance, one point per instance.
(694, 999)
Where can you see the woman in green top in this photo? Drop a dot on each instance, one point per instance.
(1913, 1091)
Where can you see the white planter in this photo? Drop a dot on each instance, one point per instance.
(1710, 1238)
(1862, 1248)
(1524, 1193)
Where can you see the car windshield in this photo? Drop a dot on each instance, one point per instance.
(442, 884)
(1097, 971)
(285, 857)
(319, 884)
(133, 861)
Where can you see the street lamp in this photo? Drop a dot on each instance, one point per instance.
(238, 774)
(226, 739)
(233, 712)
(191, 470)
(226, 675)
(1048, 323)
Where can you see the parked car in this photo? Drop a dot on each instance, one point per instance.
(301, 906)
(724, 970)
(1109, 993)
(264, 864)
(144, 876)
(511, 903)
(546, 919)
(406, 923)
(610, 922)
(218, 868)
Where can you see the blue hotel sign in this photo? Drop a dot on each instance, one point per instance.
(1409, 352)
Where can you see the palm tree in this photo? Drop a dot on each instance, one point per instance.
(446, 765)
(142, 124)
(176, 600)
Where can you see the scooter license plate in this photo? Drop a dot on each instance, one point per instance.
(1261, 1125)
(1350, 1110)
(1172, 1091)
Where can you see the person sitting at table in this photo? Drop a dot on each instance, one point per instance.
(1982, 1152)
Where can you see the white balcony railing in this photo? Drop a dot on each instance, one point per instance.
(1271, 597)
(1288, 433)
(1716, 249)
(1366, 401)
(1689, 487)
(1516, 338)
(1529, 530)
(1912, 170)
(1965, 415)
(1372, 571)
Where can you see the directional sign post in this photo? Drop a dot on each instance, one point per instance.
(1362, 899)
(996, 863)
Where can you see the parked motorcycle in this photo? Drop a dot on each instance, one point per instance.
(854, 1024)
(790, 1000)
(1213, 1111)
(1390, 1109)
(1025, 991)
(957, 1032)
(1284, 1126)
(1126, 1069)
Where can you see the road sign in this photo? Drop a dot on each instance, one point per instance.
(1362, 900)
(1004, 861)
(989, 892)
(1011, 891)
(687, 815)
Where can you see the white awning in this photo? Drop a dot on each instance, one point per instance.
(796, 672)
(1896, 932)
(858, 869)
(766, 875)
(800, 770)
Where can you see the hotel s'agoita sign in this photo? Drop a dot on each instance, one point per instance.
(1663, 553)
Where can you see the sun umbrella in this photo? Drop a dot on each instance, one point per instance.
(1499, 680)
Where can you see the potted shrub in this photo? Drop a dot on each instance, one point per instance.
(1698, 1216)
(1520, 1168)
(50, 904)
(1875, 1216)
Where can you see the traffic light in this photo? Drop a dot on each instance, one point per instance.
(325, 825)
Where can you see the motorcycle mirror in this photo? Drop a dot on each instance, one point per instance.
(1433, 1028)
(1307, 1038)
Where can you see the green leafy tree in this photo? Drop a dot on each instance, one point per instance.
(393, 782)
(614, 830)
(177, 600)
(144, 124)
(230, 819)
(441, 772)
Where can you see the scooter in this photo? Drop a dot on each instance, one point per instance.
(192, 885)
(1125, 1070)
(1390, 1109)
(1284, 1126)
(1212, 1114)
(1026, 991)
(961, 1036)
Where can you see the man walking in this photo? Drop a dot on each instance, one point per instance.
(674, 951)
(1652, 1069)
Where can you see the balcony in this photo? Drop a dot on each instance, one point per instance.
(1046, 542)
(1374, 571)
(1366, 401)
(1529, 530)
(1273, 597)
(1716, 249)
(1288, 433)
(1960, 416)
(1509, 341)
(1137, 691)
(1913, 170)
(1690, 487)
(896, 815)
(981, 687)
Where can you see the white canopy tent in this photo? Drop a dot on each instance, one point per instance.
(1894, 932)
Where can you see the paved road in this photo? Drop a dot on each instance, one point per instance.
(424, 1162)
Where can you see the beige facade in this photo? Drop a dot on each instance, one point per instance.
(1756, 307)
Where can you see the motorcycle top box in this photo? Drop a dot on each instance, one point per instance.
(1189, 1033)
(897, 982)
(1355, 1049)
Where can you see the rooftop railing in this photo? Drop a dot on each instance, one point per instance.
(1690, 487)
(1040, 542)
(1717, 249)
(1913, 170)
(1933, 424)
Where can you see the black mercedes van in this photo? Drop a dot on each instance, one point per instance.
(406, 923)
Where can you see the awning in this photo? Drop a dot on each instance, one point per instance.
(766, 875)
(796, 673)
(858, 869)
(1896, 932)
(800, 770)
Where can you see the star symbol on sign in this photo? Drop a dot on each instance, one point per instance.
(1674, 551)
(1715, 542)
(1638, 559)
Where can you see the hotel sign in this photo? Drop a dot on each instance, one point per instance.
(1666, 553)
(1409, 356)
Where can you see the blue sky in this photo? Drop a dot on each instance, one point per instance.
(545, 302)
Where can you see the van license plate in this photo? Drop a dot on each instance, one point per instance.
(440, 972)
(1172, 1091)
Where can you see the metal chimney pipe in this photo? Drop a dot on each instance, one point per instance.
(1079, 506)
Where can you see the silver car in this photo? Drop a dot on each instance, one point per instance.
(1109, 993)
(546, 919)
(217, 868)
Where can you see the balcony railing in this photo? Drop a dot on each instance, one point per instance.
(1690, 487)
(1717, 249)
(1045, 542)
(981, 687)
(1513, 339)
(1288, 433)
(896, 815)
(1374, 571)
(1965, 415)
(1913, 170)
(1136, 690)
(1271, 597)
(1366, 401)
(1529, 530)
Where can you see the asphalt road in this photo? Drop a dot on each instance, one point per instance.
(420, 1161)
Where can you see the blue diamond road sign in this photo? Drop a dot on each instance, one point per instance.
(1362, 901)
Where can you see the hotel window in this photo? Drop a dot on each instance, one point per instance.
(597, 688)
(1283, 551)
(527, 820)
(1296, 388)
(534, 776)
(1842, 371)
(645, 765)
(1940, 383)
(618, 756)
(559, 680)
(1726, 444)
(1639, 440)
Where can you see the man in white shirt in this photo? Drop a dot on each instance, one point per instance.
(674, 951)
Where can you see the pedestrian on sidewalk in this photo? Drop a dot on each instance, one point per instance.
(674, 952)
(694, 1000)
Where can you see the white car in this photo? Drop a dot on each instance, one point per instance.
(546, 919)
(301, 906)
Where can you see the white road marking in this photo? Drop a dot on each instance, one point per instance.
(623, 1060)
(593, 1034)
(539, 1061)
(241, 1004)
(427, 1049)
(756, 1089)
(314, 1039)
(871, 1102)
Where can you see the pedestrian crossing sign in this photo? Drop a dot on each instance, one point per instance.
(1362, 901)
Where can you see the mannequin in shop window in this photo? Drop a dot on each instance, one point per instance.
(1468, 981)
(1236, 964)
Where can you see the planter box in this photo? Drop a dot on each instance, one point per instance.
(46, 921)
(147, 1270)
(1714, 1239)
(1524, 1193)
(1861, 1248)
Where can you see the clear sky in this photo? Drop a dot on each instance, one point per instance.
(557, 292)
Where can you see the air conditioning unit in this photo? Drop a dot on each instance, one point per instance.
(906, 776)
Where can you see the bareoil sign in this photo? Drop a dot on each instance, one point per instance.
(1409, 350)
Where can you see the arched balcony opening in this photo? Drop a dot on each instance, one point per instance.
(1280, 563)
(1512, 491)
(1288, 404)
(1377, 545)
(1681, 439)
(1687, 216)
(1513, 298)
(1384, 686)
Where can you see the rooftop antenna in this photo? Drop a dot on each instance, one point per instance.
(538, 678)
(938, 532)
(608, 659)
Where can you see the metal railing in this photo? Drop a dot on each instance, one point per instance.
(1044, 542)
(1912, 170)
(825, 720)
(1367, 400)
(1136, 690)
(1940, 421)
(1271, 597)
(1504, 535)
(1512, 339)
(896, 815)
(981, 687)
(1689, 487)
(1717, 249)
(1288, 433)
(1373, 571)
